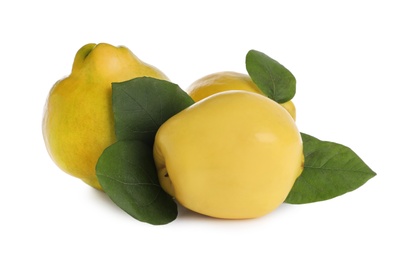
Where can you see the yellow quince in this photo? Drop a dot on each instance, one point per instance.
(78, 119)
(233, 155)
(228, 80)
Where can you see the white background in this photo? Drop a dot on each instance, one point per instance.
(350, 61)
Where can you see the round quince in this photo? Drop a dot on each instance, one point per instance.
(228, 80)
(233, 155)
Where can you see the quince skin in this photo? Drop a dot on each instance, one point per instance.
(228, 80)
(233, 155)
(78, 119)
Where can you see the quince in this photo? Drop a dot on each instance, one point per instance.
(233, 155)
(78, 119)
(228, 80)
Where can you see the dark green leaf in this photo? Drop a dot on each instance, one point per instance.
(276, 82)
(127, 173)
(330, 170)
(142, 105)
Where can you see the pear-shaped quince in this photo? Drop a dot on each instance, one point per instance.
(233, 155)
(78, 121)
(228, 80)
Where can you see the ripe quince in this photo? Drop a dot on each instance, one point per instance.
(78, 119)
(233, 155)
(228, 80)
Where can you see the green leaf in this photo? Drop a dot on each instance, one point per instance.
(330, 170)
(127, 173)
(272, 78)
(126, 169)
(142, 105)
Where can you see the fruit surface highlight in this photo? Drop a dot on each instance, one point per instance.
(228, 80)
(78, 119)
(233, 155)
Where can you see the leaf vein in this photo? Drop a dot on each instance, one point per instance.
(142, 107)
(130, 183)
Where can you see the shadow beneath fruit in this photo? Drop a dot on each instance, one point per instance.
(183, 213)
(187, 216)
